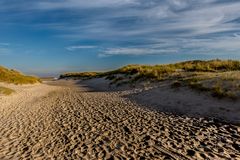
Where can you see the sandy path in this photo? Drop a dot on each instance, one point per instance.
(72, 123)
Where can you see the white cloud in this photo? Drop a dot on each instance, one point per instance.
(221, 44)
(65, 4)
(179, 4)
(205, 46)
(173, 25)
(73, 48)
(135, 51)
(162, 20)
(199, 19)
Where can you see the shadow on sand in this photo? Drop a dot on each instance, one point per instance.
(162, 98)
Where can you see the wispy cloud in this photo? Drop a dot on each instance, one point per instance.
(135, 51)
(4, 48)
(4, 44)
(167, 26)
(65, 4)
(4, 51)
(74, 48)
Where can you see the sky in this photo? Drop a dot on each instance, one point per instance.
(48, 37)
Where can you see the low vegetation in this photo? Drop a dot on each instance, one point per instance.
(215, 83)
(219, 77)
(84, 75)
(13, 76)
(6, 91)
(158, 71)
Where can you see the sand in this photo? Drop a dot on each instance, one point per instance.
(188, 102)
(68, 121)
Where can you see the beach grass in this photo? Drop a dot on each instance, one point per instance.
(79, 75)
(6, 91)
(15, 77)
(159, 71)
(221, 78)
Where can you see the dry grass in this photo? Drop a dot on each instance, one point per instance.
(198, 75)
(160, 72)
(12, 76)
(6, 91)
(216, 83)
(84, 75)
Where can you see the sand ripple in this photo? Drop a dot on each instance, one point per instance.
(72, 123)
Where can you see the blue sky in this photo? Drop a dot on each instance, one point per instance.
(53, 36)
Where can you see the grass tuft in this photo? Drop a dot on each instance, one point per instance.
(6, 91)
(176, 84)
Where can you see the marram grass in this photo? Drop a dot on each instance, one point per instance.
(198, 75)
(159, 71)
(15, 77)
(6, 91)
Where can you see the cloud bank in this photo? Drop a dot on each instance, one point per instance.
(135, 27)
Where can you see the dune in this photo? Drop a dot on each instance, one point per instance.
(95, 117)
(16, 77)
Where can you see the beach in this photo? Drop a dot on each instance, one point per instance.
(72, 120)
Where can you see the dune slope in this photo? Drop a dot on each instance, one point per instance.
(13, 76)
